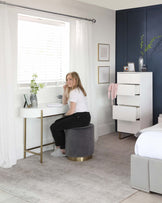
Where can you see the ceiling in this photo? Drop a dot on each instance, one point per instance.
(122, 4)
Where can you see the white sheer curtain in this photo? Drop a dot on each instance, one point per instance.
(81, 61)
(7, 88)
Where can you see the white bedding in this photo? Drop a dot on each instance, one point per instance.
(149, 143)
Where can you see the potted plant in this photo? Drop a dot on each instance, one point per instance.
(144, 49)
(34, 88)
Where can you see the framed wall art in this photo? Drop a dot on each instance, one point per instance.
(27, 101)
(103, 52)
(103, 74)
(131, 67)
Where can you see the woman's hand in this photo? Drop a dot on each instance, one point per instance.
(65, 87)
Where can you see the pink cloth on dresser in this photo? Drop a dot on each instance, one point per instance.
(112, 91)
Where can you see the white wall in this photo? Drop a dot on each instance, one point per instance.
(103, 32)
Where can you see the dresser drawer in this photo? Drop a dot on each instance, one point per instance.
(126, 113)
(128, 100)
(129, 90)
(129, 78)
(128, 127)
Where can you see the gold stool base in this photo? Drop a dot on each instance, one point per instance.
(79, 158)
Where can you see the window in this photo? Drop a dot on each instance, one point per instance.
(43, 48)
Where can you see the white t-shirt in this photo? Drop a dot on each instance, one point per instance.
(78, 97)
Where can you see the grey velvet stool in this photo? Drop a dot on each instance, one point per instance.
(80, 143)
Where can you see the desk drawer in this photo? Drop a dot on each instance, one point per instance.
(128, 100)
(129, 78)
(126, 113)
(128, 90)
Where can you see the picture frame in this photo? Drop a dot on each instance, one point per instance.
(103, 74)
(125, 68)
(103, 52)
(27, 101)
(131, 67)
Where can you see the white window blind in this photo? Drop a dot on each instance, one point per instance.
(43, 48)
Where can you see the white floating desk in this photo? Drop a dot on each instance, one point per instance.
(41, 112)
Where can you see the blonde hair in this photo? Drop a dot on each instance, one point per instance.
(78, 83)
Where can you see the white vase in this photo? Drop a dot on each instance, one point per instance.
(33, 99)
(140, 63)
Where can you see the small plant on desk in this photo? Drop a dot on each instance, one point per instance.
(34, 88)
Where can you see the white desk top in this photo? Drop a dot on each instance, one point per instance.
(48, 110)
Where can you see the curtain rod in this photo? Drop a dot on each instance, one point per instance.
(35, 9)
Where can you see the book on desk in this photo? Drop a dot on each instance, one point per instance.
(54, 105)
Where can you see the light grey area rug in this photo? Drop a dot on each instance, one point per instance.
(103, 179)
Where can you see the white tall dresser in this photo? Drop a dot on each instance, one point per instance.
(134, 101)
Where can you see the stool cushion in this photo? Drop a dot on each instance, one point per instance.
(80, 141)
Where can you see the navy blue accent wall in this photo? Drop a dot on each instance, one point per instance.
(130, 25)
(121, 40)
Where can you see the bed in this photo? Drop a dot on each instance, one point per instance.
(146, 163)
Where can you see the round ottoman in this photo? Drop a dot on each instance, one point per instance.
(80, 143)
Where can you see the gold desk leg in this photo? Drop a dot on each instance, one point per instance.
(41, 149)
(24, 138)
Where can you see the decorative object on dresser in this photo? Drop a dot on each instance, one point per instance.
(133, 111)
(131, 67)
(140, 63)
(143, 50)
(125, 68)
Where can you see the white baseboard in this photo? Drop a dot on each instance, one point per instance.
(104, 129)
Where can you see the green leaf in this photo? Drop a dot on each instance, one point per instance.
(41, 85)
(34, 87)
(142, 53)
(149, 45)
(142, 42)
